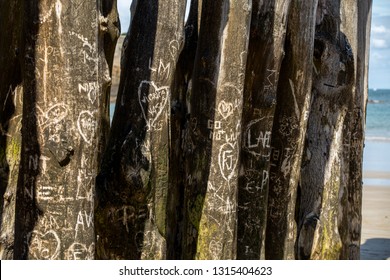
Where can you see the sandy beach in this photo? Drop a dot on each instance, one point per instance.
(375, 243)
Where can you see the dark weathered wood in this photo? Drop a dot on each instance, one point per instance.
(348, 25)
(237, 135)
(293, 103)
(11, 94)
(179, 112)
(265, 54)
(321, 174)
(132, 209)
(355, 24)
(357, 136)
(107, 41)
(64, 73)
(214, 133)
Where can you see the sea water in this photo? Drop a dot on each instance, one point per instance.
(377, 141)
(112, 109)
(378, 115)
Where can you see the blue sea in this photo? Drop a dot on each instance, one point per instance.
(377, 142)
(378, 115)
(112, 109)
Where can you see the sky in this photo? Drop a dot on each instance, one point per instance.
(379, 67)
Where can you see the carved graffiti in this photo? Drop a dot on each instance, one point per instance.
(91, 89)
(225, 109)
(227, 160)
(52, 118)
(86, 125)
(153, 101)
(256, 141)
(79, 251)
(215, 248)
(84, 220)
(44, 246)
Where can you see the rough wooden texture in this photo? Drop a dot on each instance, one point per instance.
(131, 220)
(349, 25)
(333, 81)
(357, 136)
(293, 104)
(237, 135)
(355, 23)
(11, 94)
(179, 122)
(111, 26)
(265, 54)
(214, 135)
(64, 75)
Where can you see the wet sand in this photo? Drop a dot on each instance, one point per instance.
(375, 243)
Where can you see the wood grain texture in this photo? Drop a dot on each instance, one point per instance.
(133, 183)
(290, 121)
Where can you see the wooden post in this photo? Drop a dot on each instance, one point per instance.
(357, 30)
(236, 136)
(214, 133)
(357, 135)
(65, 73)
(107, 41)
(321, 173)
(265, 54)
(180, 89)
(293, 104)
(133, 184)
(11, 95)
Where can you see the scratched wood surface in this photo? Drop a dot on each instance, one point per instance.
(179, 121)
(265, 55)
(318, 236)
(237, 134)
(214, 132)
(132, 189)
(65, 75)
(292, 108)
(355, 24)
(11, 100)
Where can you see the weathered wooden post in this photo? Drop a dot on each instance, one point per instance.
(112, 30)
(11, 95)
(321, 174)
(265, 54)
(293, 103)
(355, 24)
(65, 74)
(237, 135)
(214, 132)
(179, 112)
(132, 208)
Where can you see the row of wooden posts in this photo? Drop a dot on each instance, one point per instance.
(237, 134)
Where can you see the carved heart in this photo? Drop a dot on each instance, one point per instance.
(86, 125)
(215, 248)
(57, 113)
(153, 101)
(225, 109)
(227, 160)
(174, 47)
(44, 246)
